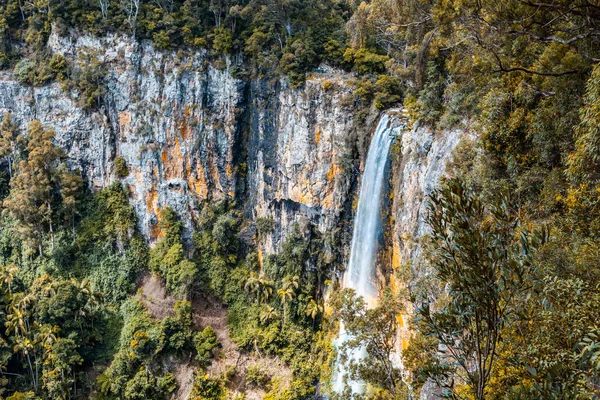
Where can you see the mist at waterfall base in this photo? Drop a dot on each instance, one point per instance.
(360, 273)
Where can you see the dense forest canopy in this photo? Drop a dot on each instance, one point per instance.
(511, 309)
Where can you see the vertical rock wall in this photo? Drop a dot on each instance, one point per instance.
(189, 132)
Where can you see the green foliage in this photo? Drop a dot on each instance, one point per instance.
(374, 330)
(137, 370)
(267, 307)
(121, 167)
(107, 249)
(24, 71)
(256, 376)
(365, 61)
(264, 226)
(480, 253)
(584, 162)
(37, 178)
(205, 343)
(285, 36)
(88, 79)
(168, 258)
(207, 388)
(52, 330)
(59, 66)
(217, 248)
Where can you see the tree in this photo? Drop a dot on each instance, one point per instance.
(31, 200)
(267, 314)
(131, 8)
(70, 191)
(9, 141)
(168, 257)
(482, 256)
(261, 286)
(374, 330)
(287, 292)
(313, 309)
(584, 162)
(61, 359)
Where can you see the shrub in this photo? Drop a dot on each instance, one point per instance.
(222, 41)
(365, 61)
(4, 61)
(388, 91)
(255, 376)
(59, 66)
(121, 167)
(24, 72)
(89, 80)
(205, 343)
(264, 225)
(206, 388)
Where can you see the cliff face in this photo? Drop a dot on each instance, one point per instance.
(189, 132)
(419, 163)
(300, 154)
(171, 119)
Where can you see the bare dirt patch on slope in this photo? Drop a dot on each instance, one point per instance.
(209, 311)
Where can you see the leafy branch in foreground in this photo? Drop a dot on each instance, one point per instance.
(373, 330)
(481, 256)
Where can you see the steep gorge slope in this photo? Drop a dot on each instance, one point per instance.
(189, 132)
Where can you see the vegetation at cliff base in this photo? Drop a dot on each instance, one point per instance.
(77, 324)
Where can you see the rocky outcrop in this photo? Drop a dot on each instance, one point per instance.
(189, 132)
(300, 153)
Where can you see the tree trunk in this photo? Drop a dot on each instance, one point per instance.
(421, 58)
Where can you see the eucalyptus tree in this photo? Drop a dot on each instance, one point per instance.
(482, 257)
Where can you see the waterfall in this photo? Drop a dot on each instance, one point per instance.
(361, 271)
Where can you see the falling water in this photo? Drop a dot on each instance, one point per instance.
(360, 273)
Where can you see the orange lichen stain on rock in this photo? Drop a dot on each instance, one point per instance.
(184, 129)
(152, 204)
(124, 121)
(400, 321)
(404, 343)
(396, 256)
(318, 136)
(333, 172)
(301, 194)
(159, 232)
(173, 161)
(152, 199)
(196, 181)
(393, 285)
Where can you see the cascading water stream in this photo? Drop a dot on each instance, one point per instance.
(361, 271)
